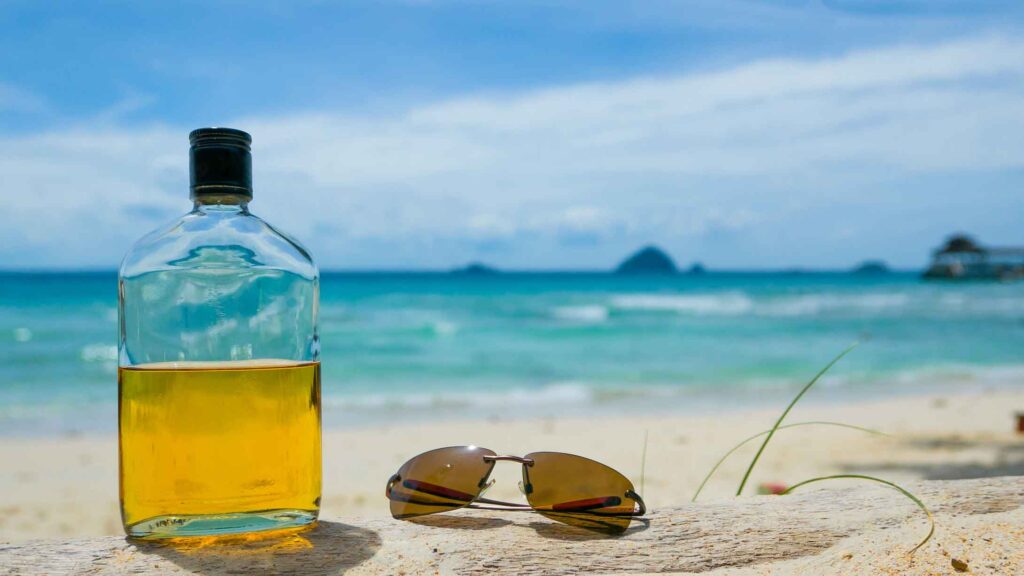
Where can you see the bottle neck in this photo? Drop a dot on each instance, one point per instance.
(221, 203)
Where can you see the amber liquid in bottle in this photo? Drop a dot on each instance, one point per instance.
(227, 442)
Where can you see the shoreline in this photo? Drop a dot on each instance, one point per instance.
(67, 487)
(578, 400)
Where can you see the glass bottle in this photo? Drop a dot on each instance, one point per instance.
(219, 374)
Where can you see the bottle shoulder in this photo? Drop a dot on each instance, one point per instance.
(215, 241)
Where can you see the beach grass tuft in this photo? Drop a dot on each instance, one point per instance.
(770, 433)
(904, 491)
(643, 462)
(785, 413)
(762, 433)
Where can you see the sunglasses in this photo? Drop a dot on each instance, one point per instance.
(564, 487)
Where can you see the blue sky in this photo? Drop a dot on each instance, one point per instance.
(426, 134)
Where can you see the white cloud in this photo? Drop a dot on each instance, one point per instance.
(14, 99)
(644, 159)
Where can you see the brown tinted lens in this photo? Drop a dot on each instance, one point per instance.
(578, 491)
(438, 481)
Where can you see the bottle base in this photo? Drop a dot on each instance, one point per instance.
(185, 525)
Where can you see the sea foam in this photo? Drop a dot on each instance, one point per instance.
(591, 313)
(556, 394)
(724, 303)
(99, 353)
(738, 303)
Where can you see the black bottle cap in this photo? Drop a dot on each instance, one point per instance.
(220, 162)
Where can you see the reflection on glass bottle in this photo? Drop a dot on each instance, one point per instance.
(219, 377)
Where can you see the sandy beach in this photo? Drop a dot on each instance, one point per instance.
(67, 487)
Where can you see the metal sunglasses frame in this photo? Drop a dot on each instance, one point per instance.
(478, 499)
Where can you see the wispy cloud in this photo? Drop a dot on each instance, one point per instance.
(14, 99)
(671, 158)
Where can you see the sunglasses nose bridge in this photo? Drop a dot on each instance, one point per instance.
(519, 459)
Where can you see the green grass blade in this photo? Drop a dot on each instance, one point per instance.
(643, 463)
(906, 493)
(785, 413)
(759, 434)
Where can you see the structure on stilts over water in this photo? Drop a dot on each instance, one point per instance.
(964, 259)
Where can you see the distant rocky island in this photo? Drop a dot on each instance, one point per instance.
(871, 268)
(647, 260)
(475, 269)
(961, 257)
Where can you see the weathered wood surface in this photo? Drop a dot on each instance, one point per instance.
(852, 530)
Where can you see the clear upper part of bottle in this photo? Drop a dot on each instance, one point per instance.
(218, 284)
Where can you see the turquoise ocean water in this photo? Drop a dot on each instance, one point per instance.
(421, 346)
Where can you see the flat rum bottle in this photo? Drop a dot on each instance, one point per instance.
(218, 372)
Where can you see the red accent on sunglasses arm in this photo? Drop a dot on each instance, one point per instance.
(588, 504)
(435, 490)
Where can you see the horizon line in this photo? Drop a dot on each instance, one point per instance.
(491, 271)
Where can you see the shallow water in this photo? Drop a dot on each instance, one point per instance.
(422, 346)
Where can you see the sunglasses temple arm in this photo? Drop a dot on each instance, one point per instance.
(499, 503)
(640, 502)
(480, 500)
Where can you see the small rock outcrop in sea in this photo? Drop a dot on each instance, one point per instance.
(871, 268)
(648, 260)
(697, 268)
(475, 269)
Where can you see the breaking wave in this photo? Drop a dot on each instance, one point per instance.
(725, 303)
(738, 303)
(582, 398)
(592, 313)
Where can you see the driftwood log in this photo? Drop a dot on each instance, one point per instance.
(849, 530)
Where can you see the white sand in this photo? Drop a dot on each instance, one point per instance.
(61, 487)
